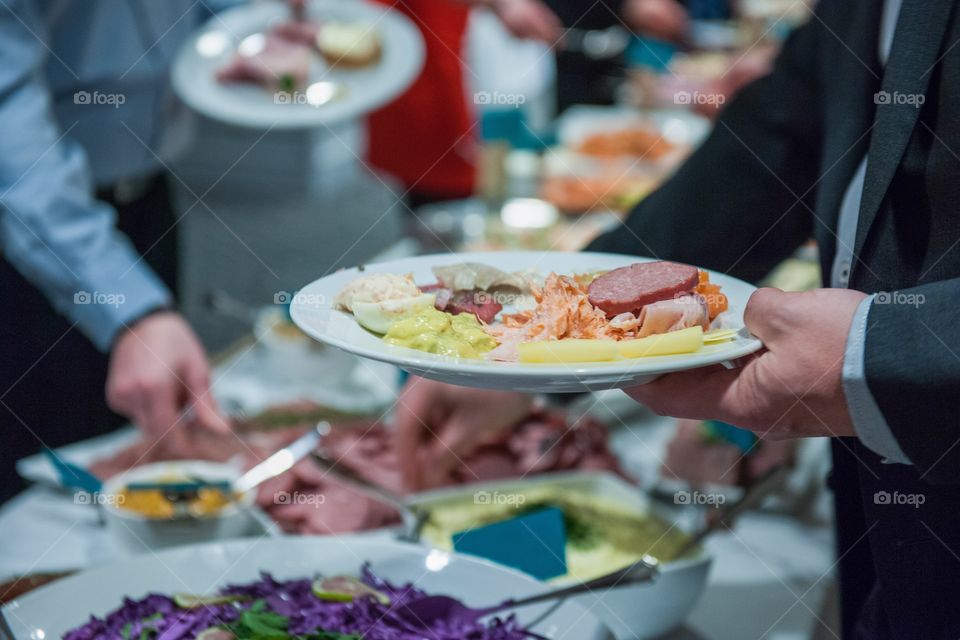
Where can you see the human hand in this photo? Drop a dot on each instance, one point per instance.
(664, 19)
(791, 389)
(438, 424)
(530, 19)
(694, 456)
(157, 370)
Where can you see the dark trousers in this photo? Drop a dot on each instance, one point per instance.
(51, 377)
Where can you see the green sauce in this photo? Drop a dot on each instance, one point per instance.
(439, 332)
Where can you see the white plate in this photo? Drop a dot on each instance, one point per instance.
(51, 611)
(312, 310)
(247, 105)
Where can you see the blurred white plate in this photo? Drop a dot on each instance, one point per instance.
(248, 105)
(53, 610)
(312, 310)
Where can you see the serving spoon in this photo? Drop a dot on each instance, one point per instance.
(413, 519)
(424, 613)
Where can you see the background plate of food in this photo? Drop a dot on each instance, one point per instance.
(258, 65)
(343, 585)
(531, 321)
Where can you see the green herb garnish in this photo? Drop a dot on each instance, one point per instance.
(287, 83)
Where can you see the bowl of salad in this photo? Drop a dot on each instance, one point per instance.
(305, 588)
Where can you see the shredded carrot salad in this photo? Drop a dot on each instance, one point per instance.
(716, 301)
(562, 311)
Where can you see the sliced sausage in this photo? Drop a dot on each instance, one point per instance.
(630, 288)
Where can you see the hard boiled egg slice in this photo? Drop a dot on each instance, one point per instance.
(380, 316)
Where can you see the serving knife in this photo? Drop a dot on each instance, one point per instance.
(281, 461)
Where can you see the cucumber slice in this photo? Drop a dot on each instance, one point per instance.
(346, 589)
(191, 601)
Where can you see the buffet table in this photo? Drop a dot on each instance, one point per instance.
(769, 578)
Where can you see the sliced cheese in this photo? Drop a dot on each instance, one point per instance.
(663, 344)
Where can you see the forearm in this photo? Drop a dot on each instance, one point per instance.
(912, 367)
(51, 228)
(66, 244)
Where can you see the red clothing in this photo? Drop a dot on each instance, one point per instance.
(427, 137)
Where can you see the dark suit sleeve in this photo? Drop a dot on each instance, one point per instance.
(733, 205)
(912, 367)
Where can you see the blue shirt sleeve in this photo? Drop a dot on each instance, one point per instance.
(871, 428)
(52, 230)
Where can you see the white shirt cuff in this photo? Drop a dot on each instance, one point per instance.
(868, 421)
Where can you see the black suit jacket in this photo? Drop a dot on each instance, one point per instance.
(772, 174)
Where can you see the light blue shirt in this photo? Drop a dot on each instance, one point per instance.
(868, 421)
(84, 102)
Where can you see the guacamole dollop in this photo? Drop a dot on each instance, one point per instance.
(439, 332)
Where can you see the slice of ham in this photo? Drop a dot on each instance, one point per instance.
(674, 314)
(478, 303)
(300, 31)
(544, 441)
(281, 63)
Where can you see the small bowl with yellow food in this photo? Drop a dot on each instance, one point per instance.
(170, 503)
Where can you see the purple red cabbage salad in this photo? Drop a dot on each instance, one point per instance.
(271, 609)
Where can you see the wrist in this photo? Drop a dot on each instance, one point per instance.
(151, 313)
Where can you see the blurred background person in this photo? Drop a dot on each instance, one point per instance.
(89, 238)
(585, 80)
